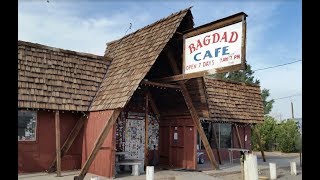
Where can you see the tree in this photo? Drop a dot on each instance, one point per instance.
(285, 135)
(239, 76)
(288, 136)
(247, 76)
(268, 133)
(267, 105)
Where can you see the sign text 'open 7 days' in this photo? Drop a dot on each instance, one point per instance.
(216, 47)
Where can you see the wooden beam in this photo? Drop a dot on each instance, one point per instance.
(159, 84)
(146, 136)
(58, 154)
(67, 144)
(193, 111)
(181, 77)
(238, 136)
(216, 141)
(259, 142)
(215, 25)
(153, 105)
(218, 120)
(105, 131)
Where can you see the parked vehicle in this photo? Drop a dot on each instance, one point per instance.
(200, 158)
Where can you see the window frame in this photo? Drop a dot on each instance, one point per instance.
(231, 134)
(36, 139)
(199, 143)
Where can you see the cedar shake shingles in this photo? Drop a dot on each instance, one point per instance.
(133, 55)
(53, 78)
(57, 79)
(232, 101)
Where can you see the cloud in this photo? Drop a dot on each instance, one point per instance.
(61, 26)
(265, 48)
(87, 26)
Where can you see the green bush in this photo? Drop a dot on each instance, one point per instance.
(288, 136)
(267, 133)
(283, 136)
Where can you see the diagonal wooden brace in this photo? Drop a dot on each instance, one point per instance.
(238, 137)
(67, 144)
(216, 142)
(193, 111)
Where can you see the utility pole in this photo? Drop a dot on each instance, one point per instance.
(292, 110)
(300, 147)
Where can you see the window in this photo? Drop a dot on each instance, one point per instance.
(206, 128)
(223, 134)
(27, 125)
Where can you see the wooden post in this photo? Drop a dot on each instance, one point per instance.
(300, 156)
(58, 154)
(216, 141)
(146, 138)
(259, 142)
(238, 136)
(242, 156)
(153, 105)
(105, 131)
(159, 84)
(273, 170)
(67, 144)
(193, 112)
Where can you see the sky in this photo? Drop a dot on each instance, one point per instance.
(274, 33)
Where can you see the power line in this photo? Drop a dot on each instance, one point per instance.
(288, 96)
(277, 65)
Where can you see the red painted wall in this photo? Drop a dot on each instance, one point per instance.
(103, 163)
(38, 155)
(179, 153)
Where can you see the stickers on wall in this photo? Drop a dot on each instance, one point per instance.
(130, 134)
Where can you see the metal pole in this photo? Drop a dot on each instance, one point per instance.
(292, 110)
(300, 147)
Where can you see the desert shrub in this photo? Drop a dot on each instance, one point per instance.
(283, 136)
(288, 136)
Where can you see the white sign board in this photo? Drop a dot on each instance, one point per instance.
(175, 136)
(214, 49)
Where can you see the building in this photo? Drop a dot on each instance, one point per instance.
(52, 79)
(117, 96)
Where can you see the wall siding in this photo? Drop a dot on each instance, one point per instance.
(37, 156)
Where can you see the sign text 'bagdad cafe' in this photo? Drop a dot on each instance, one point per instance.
(216, 47)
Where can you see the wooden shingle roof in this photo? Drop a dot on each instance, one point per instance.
(232, 101)
(133, 56)
(57, 79)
